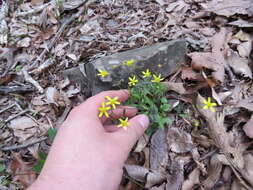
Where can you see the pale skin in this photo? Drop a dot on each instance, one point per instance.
(87, 153)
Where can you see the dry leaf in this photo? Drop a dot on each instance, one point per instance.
(137, 172)
(175, 176)
(161, 187)
(158, 151)
(244, 49)
(239, 65)
(23, 127)
(228, 8)
(242, 23)
(142, 143)
(248, 127)
(214, 172)
(188, 73)
(22, 171)
(52, 95)
(37, 2)
(214, 60)
(242, 36)
(179, 141)
(192, 180)
(144, 175)
(248, 158)
(246, 103)
(176, 86)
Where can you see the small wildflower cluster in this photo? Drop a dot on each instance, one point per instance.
(145, 74)
(109, 105)
(147, 94)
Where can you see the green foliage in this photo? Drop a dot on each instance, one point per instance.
(149, 98)
(42, 156)
(2, 168)
(42, 159)
(18, 68)
(51, 134)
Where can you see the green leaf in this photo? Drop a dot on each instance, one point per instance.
(183, 115)
(51, 134)
(18, 68)
(164, 100)
(42, 156)
(165, 107)
(2, 168)
(37, 168)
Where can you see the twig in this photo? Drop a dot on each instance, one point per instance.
(29, 79)
(133, 181)
(10, 106)
(35, 10)
(24, 145)
(57, 35)
(48, 63)
(208, 155)
(15, 89)
(13, 117)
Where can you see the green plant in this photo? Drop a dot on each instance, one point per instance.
(148, 96)
(42, 159)
(43, 156)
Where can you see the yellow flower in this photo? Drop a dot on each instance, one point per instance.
(132, 81)
(112, 101)
(209, 105)
(157, 78)
(129, 63)
(123, 123)
(103, 73)
(103, 110)
(146, 73)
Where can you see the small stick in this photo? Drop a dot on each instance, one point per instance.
(10, 106)
(57, 35)
(24, 145)
(29, 79)
(48, 63)
(13, 117)
(36, 10)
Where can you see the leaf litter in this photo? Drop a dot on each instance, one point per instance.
(199, 150)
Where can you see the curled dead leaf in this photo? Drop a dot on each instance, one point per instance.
(22, 171)
(248, 127)
(179, 141)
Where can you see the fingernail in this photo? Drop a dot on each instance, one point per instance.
(144, 121)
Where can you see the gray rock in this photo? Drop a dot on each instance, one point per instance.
(162, 58)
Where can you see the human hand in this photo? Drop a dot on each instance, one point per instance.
(87, 153)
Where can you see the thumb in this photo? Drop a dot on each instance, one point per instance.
(136, 128)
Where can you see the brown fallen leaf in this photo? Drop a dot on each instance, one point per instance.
(233, 155)
(228, 8)
(144, 175)
(239, 65)
(246, 103)
(192, 180)
(213, 60)
(22, 171)
(248, 127)
(179, 141)
(175, 176)
(214, 172)
(23, 127)
(188, 74)
(159, 151)
(244, 49)
(161, 187)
